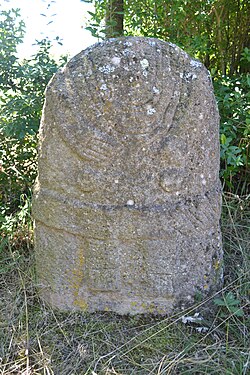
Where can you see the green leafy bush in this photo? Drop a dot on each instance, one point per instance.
(233, 96)
(22, 86)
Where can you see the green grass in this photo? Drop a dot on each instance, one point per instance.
(37, 340)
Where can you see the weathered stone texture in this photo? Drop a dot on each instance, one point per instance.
(127, 203)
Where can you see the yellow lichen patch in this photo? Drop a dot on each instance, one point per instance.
(79, 302)
(216, 265)
(151, 308)
(107, 106)
(77, 278)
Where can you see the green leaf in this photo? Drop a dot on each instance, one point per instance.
(223, 139)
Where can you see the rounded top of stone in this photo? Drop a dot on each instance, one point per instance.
(137, 42)
(128, 83)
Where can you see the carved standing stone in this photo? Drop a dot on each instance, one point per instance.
(127, 202)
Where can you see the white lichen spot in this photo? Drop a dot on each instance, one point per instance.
(128, 44)
(177, 193)
(80, 75)
(130, 202)
(189, 75)
(116, 181)
(201, 116)
(203, 181)
(131, 79)
(172, 45)
(144, 64)
(156, 90)
(103, 87)
(195, 63)
(106, 69)
(150, 110)
(176, 93)
(116, 60)
(152, 43)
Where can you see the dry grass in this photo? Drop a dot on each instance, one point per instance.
(37, 340)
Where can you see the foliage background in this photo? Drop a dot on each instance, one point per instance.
(22, 86)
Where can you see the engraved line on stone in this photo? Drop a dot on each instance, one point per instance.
(81, 155)
(120, 239)
(99, 146)
(136, 207)
(93, 155)
(86, 237)
(90, 88)
(144, 133)
(100, 112)
(88, 83)
(80, 119)
(210, 217)
(195, 218)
